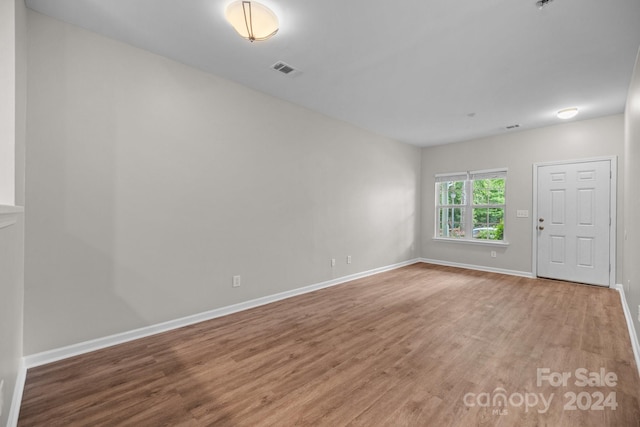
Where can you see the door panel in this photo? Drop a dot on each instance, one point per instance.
(558, 203)
(574, 222)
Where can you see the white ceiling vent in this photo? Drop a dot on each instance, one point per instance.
(284, 68)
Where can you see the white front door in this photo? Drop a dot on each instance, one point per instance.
(574, 221)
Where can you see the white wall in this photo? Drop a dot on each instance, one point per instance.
(150, 184)
(631, 275)
(20, 101)
(12, 138)
(7, 101)
(518, 152)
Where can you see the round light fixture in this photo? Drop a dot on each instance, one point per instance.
(567, 113)
(251, 20)
(542, 3)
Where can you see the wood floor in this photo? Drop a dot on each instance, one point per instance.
(419, 346)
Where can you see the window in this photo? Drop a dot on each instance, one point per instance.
(471, 205)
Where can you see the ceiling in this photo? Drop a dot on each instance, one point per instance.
(423, 72)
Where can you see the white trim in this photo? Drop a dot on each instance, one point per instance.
(478, 268)
(494, 170)
(613, 228)
(613, 213)
(10, 209)
(572, 161)
(635, 345)
(487, 174)
(16, 400)
(472, 242)
(9, 215)
(57, 354)
(452, 175)
(534, 222)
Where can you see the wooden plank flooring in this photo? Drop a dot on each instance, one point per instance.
(401, 348)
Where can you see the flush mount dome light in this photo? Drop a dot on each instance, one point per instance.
(567, 113)
(252, 20)
(542, 3)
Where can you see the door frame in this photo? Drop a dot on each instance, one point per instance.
(613, 200)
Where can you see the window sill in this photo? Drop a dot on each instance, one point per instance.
(472, 242)
(9, 215)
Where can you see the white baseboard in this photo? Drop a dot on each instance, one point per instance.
(16, 400)
(635, 345)
(55, 355)
(479, 268)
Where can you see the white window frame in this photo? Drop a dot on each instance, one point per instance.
(468, 205)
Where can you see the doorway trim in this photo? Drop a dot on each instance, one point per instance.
(613, 201)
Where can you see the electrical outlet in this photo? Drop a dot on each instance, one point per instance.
(236, 281)
(333, 262)
(348, 259)
(493, 254)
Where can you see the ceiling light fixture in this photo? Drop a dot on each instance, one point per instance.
(567, 113)
(542, 3)
(252, 20)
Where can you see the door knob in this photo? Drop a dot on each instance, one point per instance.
(541, 219)
(540, 228)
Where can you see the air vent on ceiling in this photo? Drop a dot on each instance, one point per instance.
(512, 127)
(283, 67)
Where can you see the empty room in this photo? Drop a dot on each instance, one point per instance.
(331, 213)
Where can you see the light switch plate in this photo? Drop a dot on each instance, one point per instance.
(522, 213)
